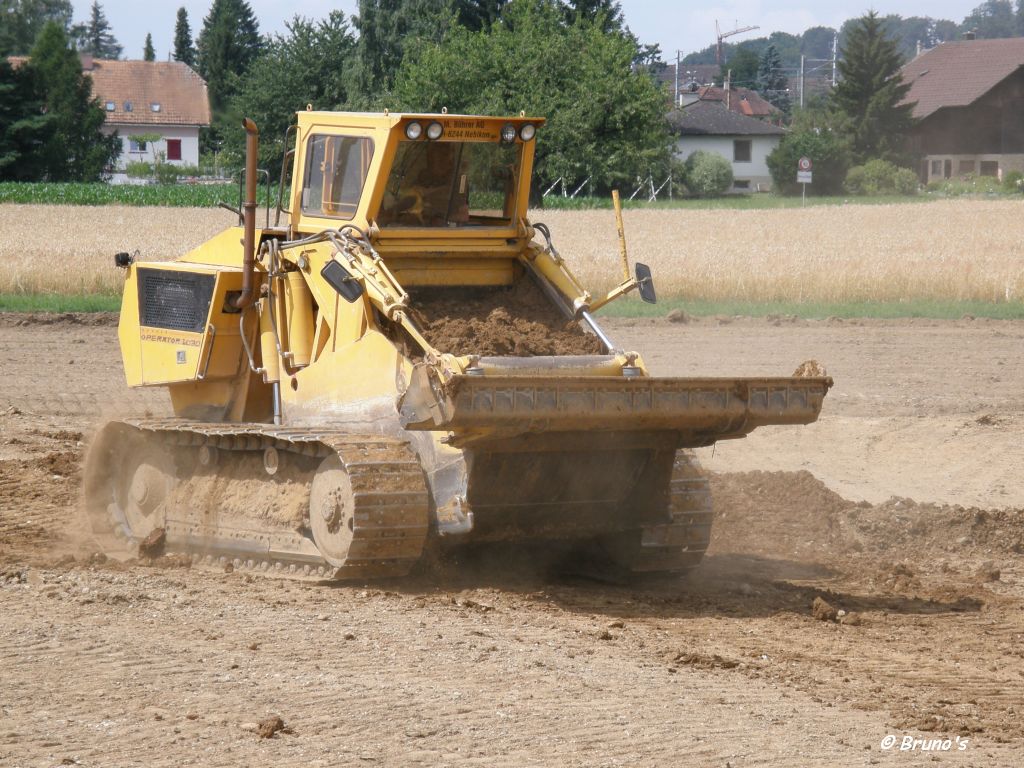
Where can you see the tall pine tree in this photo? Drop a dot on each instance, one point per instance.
(148, 54)
(77, 150)
(25, 125)
(228, 44)
(184, 49)
(22, 20)
(94, 37)
(771, 80)
(871, 90)
(386, 29)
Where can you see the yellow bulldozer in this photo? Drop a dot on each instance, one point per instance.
(402, 363)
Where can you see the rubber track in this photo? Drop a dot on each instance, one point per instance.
(390, 523)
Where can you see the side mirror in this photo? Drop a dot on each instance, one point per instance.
(342, 281)
(645, 283)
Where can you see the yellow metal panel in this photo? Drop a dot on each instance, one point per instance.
(353, 383)
(128, 330)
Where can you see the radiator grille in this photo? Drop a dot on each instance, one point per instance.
(175, 300)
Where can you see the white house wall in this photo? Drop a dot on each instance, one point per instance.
(756, 171)
(189, 136)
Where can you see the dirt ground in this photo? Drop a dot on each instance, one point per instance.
(903, 507)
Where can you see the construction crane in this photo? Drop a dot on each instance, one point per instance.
(722, 35)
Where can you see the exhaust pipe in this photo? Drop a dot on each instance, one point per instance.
(252, 144)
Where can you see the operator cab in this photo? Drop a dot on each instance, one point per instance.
(451, 175)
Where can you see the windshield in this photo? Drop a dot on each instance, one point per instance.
(451, 184)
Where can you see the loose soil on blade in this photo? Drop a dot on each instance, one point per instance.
(865, 578)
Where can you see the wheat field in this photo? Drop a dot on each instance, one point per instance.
(955, 250)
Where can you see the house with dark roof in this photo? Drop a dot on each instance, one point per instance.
(968, 97)
(744, 141)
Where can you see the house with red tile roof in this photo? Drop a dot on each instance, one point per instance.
(164, 98)
(968, 97)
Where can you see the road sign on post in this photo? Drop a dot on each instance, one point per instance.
(803, 176)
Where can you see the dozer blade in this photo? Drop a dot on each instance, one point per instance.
(700, 410)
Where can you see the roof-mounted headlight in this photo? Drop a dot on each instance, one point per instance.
(527, 131)
(434, 131)
(508, 133)
(413, 131)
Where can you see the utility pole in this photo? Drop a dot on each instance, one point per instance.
(835, 57)
(728, 88)
(802, 60)
(675, 102)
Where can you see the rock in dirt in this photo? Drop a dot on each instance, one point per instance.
(268, 727)
(153, 544)
(678, 316)
(822, 610)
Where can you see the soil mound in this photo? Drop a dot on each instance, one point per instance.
(518, 321)
(795, 514)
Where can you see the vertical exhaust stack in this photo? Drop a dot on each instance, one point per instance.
(252, 145)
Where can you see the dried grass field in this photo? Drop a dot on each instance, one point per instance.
(957, 250)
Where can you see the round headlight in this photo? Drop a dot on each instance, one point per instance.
(434, 131)
(527, 131)
(413, 131)
(508, 133)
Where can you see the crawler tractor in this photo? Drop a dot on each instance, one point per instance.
(402, 362)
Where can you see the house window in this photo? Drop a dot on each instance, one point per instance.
(336, 168)
(174, 149)
(741, 183)
(965, 167)
(136, 146)
(741, 151)
(111, 106)
(155, 106)
(936, 168)
(127, 106)
(989, 167)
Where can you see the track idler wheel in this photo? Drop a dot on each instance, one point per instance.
(127, 480)
(332, 510)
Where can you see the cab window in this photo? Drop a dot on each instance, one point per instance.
(451, 184)
(336, 168)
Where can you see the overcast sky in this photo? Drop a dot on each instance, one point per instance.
(667, 22)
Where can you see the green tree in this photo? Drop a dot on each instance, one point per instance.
(604, 118)
(77, 150)
(478, 14)
(25, 126)
(24, 19)
(148, 54)
(94, 36)
(184, 50)
(387, 28)
(991, 19)
(228, 45)
(816, 42)
(771, 80)
(743, 64)
(304, 66)
(607, 14)
(871, 91)
(821, 134)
